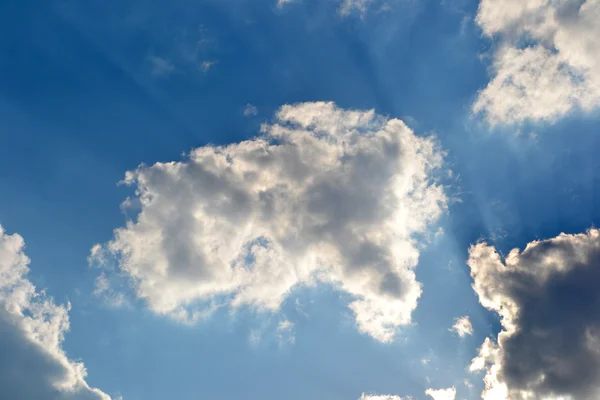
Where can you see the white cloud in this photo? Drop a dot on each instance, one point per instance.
(462, 326)
(435, 394)
(250, 110)
(441, 394)
(324, 196)
(33, 365)
(549, 303)
(554, 75)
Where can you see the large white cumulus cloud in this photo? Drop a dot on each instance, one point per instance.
(548, 299)
(32, 364)
(325, 195)
(556, 71)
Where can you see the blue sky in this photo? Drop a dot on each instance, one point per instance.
(90, 90)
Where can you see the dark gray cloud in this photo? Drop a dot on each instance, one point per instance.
(549, 299)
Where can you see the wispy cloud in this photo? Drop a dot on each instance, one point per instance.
(160, 67)
(250, 110)
(281, 3)
(207, 65)
(190, 51)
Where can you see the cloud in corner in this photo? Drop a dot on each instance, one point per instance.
(33, 365)
(548, 299)
(556, 71)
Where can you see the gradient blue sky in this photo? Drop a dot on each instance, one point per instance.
(84, 98)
